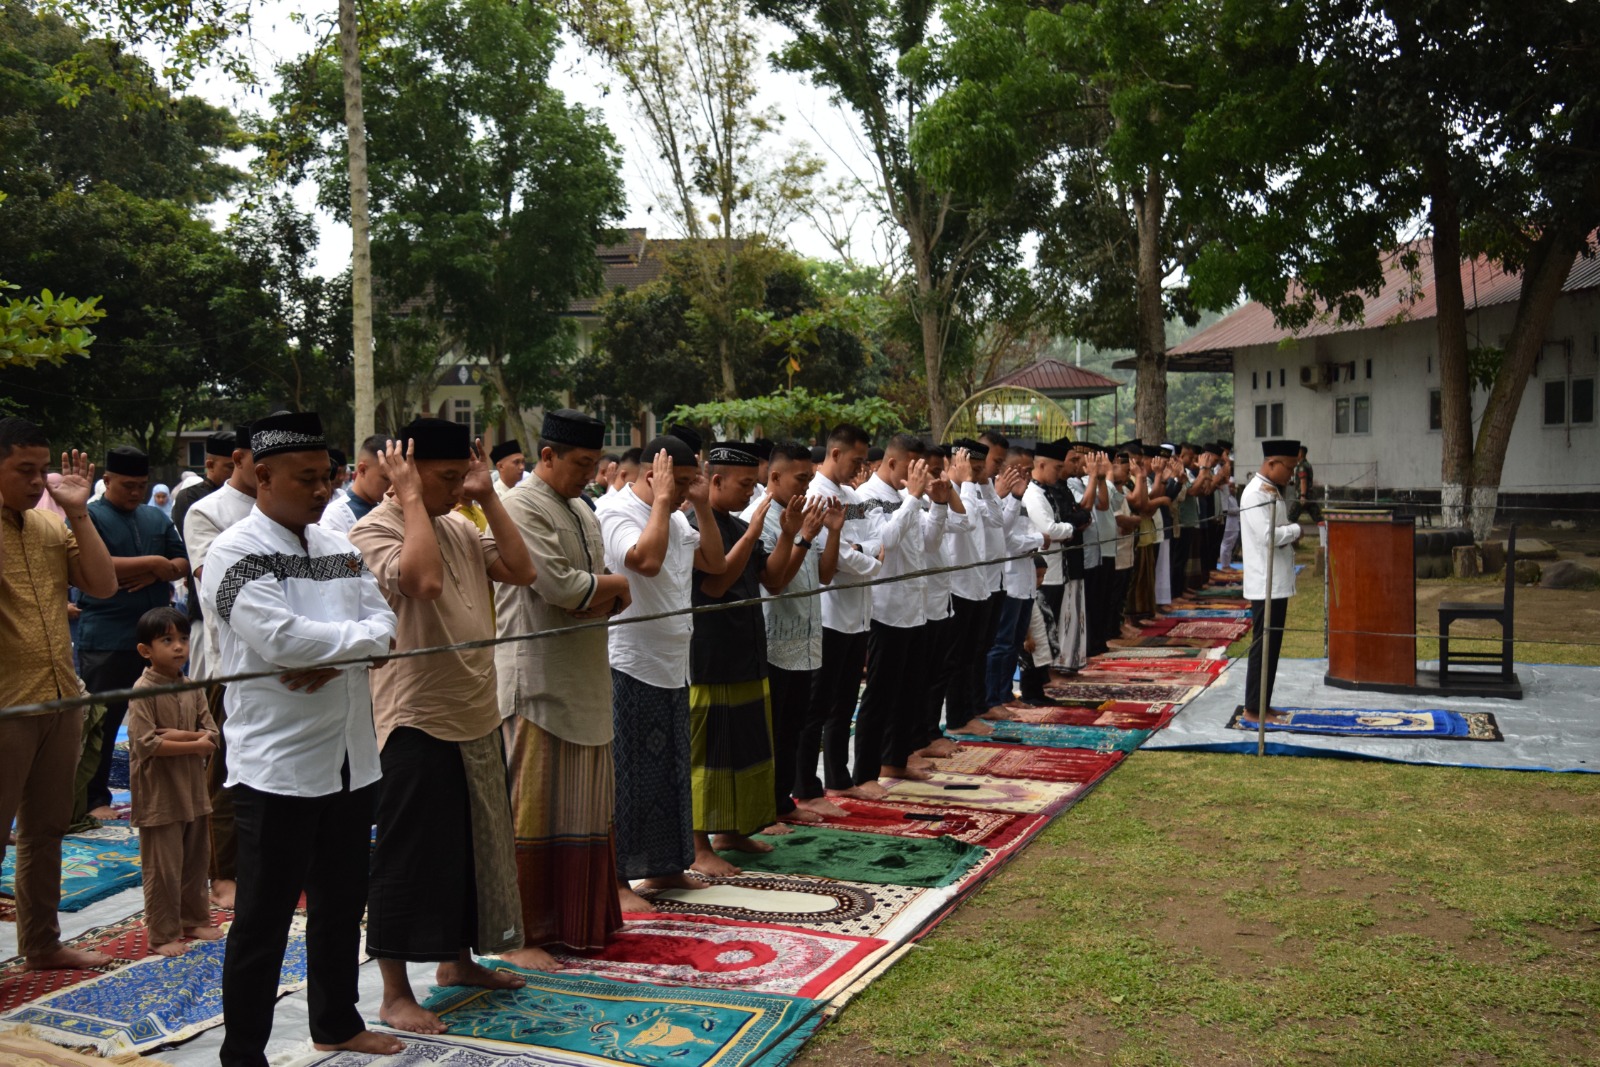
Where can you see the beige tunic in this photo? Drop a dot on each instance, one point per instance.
(562, 684)
(167, 789)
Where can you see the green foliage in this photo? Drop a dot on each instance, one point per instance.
(45, 329)
(792, 413)
(489, 191)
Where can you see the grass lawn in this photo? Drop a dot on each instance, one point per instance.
(1223, 908)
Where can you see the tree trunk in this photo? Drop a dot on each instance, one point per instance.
(730, 387)
(1150, 351)
(360, 225)
(513, 410)
(1543, 275)
(1455, 383)
(928, 319)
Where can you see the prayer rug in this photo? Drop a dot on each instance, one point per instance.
(1209, 613)
(815, 850)
(1013, 761)
(697, 950)
(424, 1051)
(1212, 629)
(598, 1021)
(1173, 654)
(1051, 735)
(1095, 692)
(125, 941)
(1153, 640)
(859, 909)
(983, 791)
(1138, 717)
(991, 829)
(1211, 667)
(18, 1048)
(1358, 722)
(158, 1001)
(1151, 674)
(91, 870)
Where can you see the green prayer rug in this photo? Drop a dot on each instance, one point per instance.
(858, 857)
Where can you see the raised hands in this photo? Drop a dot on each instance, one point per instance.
(833, 516)
(917, 477)
(960, 469)
(758, 518)
(396, 463)
(814, 516)
(792, 517)
(72, 493)
(699, 492)
(661, 483)
(940, 489)
(477, 485)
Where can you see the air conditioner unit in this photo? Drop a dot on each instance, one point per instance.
(1318, 376)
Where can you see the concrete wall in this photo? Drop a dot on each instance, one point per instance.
(1398, 450)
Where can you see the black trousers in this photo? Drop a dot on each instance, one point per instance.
(1178, 558)
(289, 845)
(423, 901)
(1121, 582)
(1273, 642)
(791, 703)
(891, 707)
(939, 644)
(1097, 607)
(988, 630)
(833, 705)
(1035, 678)
(963, 689)
(103, 671)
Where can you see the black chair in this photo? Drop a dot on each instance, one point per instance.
(1452, 610)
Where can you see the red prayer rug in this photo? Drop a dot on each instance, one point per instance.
(126, 941)
(1040, 764)
(1089, 691)
(1210, 667)
(985, 792)
(698, 950)
(991, 829)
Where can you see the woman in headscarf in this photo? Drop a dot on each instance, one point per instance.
(161, 497)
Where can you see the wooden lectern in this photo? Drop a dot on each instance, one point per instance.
(1372, 600)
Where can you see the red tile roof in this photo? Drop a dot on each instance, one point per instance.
(1053, 377)
(1405, 297)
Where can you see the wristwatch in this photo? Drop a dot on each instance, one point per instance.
(801, 542)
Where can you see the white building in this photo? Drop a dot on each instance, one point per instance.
(1364, 397)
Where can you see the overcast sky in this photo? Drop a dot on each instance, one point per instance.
(808, 118)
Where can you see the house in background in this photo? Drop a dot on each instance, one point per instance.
(1364, 397)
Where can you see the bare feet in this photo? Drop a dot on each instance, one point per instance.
(67, 959)
(739, 843)
(633, 903)
(1000, 713)
(529, 958)
(920, 763)
(708, 863)
(802, 816)
(222, 892)
(203, 933)
(942, 748)
(672, 881)
(471, 972)
(171, 948)
(404, 1013)
(822, 806)
(105, 811)
(864, 791)
(1272, 716)
(777, 829)
(974, 728)
(908, 774)
(367, 1043)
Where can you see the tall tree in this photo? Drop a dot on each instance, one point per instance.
(489, 191)
(1399, 113)
(355, 124)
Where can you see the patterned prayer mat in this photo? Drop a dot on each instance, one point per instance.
(1081, 692)
(1213, 629)
(859, 909)
(983, 791)
(91, 870)
(1138, 717)
(1044, 764)
(1179, 654)
(598, 1021)
(697, 950)
(1209, 613)
(991, 829)
(125, 941)
(157, 1001)
(1210, 667)
(1150, 674)
(816, 850)
(1122, 644)
(1051, 735)
(19, 1049)
(1358, 722)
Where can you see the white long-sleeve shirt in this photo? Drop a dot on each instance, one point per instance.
(656, 653)
(203, 523)
(1263, 517)
(1042, 515)
(278, 605)
(998, 515)
(900, 534)
(939, 543)
(1020, 536)
(968, 548)
(846, 607)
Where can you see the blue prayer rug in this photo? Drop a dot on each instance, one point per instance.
(1062, 735)
(91, 870)
(596, 1020)
(160, 1000)
(1364, 722)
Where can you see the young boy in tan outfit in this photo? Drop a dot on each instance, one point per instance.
(170, 737)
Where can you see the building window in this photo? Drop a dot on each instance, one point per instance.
(1569, 402)
(464, 414)
(1283, 377)
(197, 454)
(1369, 368)
(1255, 379)
(1352, 414)
(619, 431)
(1435, 409)
(1269, 420)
